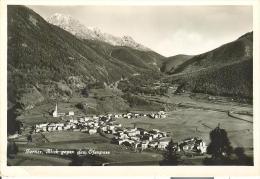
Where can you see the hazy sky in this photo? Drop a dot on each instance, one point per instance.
(169, 30)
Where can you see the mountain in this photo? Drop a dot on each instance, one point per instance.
(170, 64)
(45, 61)
(240, 49)
(76, 28)
(224, 71)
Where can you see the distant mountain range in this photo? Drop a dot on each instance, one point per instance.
(60, 57)
(76, 28)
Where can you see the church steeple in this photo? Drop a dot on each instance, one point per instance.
(55, 112)
(56, 107)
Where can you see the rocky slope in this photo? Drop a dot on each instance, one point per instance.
(76, 28)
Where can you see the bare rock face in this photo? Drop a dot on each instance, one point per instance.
(76, 28)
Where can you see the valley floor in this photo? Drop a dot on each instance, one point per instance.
(192, 116)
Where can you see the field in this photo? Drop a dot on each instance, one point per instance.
(196, 115)
(76, 140)
(38, 160)
(185, 123)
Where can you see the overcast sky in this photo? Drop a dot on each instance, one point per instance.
(168, 30)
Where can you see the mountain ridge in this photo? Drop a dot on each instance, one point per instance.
(173, 62)
(75, 27)
(224, 71)
(242, 47)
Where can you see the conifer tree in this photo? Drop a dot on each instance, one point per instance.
(219, 147)
(170, 156)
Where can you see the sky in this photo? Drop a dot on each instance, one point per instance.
(168, 30)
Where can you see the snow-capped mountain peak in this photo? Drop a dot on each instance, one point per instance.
(71, 25)
(76, 28)
(62, 17)
(127, 38)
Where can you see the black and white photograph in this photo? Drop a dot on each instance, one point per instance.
(130, 85)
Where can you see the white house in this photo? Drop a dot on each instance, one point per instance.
(81, 119)
(95, 117)
(135, 138)
(144, 144)
(132, 133)
(121, 141)
(71, 113)
(136, 115)
(162, 145)
(163, 116)
(60, 128)
(153, 144)
(123, 136)
(111, 127)
(202, 147)
(104, 128)
(67, 127)
(87, 118)
(37, 130)
(116, 115)
(163, 142)
(13, 136)
(118, 125)
(92, 131)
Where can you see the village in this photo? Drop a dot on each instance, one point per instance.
(134, 137)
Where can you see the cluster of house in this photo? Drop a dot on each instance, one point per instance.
(155, 139)
(160, 114)
(192, 144)
(137, 138)
(90, 125)
(134, 137)
(140, 138)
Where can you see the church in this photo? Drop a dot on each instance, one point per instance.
(57, 114)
